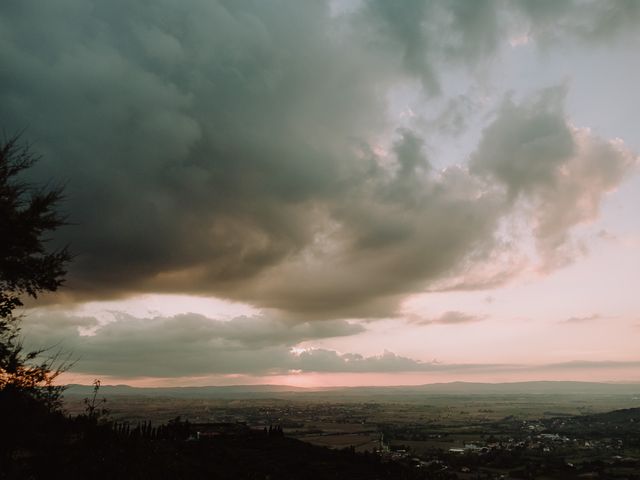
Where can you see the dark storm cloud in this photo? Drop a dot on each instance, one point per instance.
(196, 139)
(226, 148)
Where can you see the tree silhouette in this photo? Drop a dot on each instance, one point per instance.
(27, 268)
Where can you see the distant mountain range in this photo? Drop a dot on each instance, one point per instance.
(289, 392)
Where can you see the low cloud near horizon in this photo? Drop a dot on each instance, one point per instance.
(191, 345)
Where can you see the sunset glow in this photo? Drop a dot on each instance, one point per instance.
(335, 193)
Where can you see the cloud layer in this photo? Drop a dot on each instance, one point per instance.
(186, 344)
(229, 148)
(192, 345)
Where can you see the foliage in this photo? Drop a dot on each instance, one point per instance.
(94, 408)
(27, 268)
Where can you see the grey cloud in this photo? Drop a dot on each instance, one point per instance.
(559, 171)
(320, 360)
(589, 365)
(195, 345)
(448, 318)
(454, 118)
(424, 34)
(598, 167)
(45, 330)
(223, 148)
(606, 235)
(592, 21)
(526, 144)
(581, 320)
(255, 331)
(390, 236)
(187, 344)
(401, 23)
(196, 138)
(330, 361)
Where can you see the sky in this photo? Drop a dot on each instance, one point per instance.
(335, 192)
